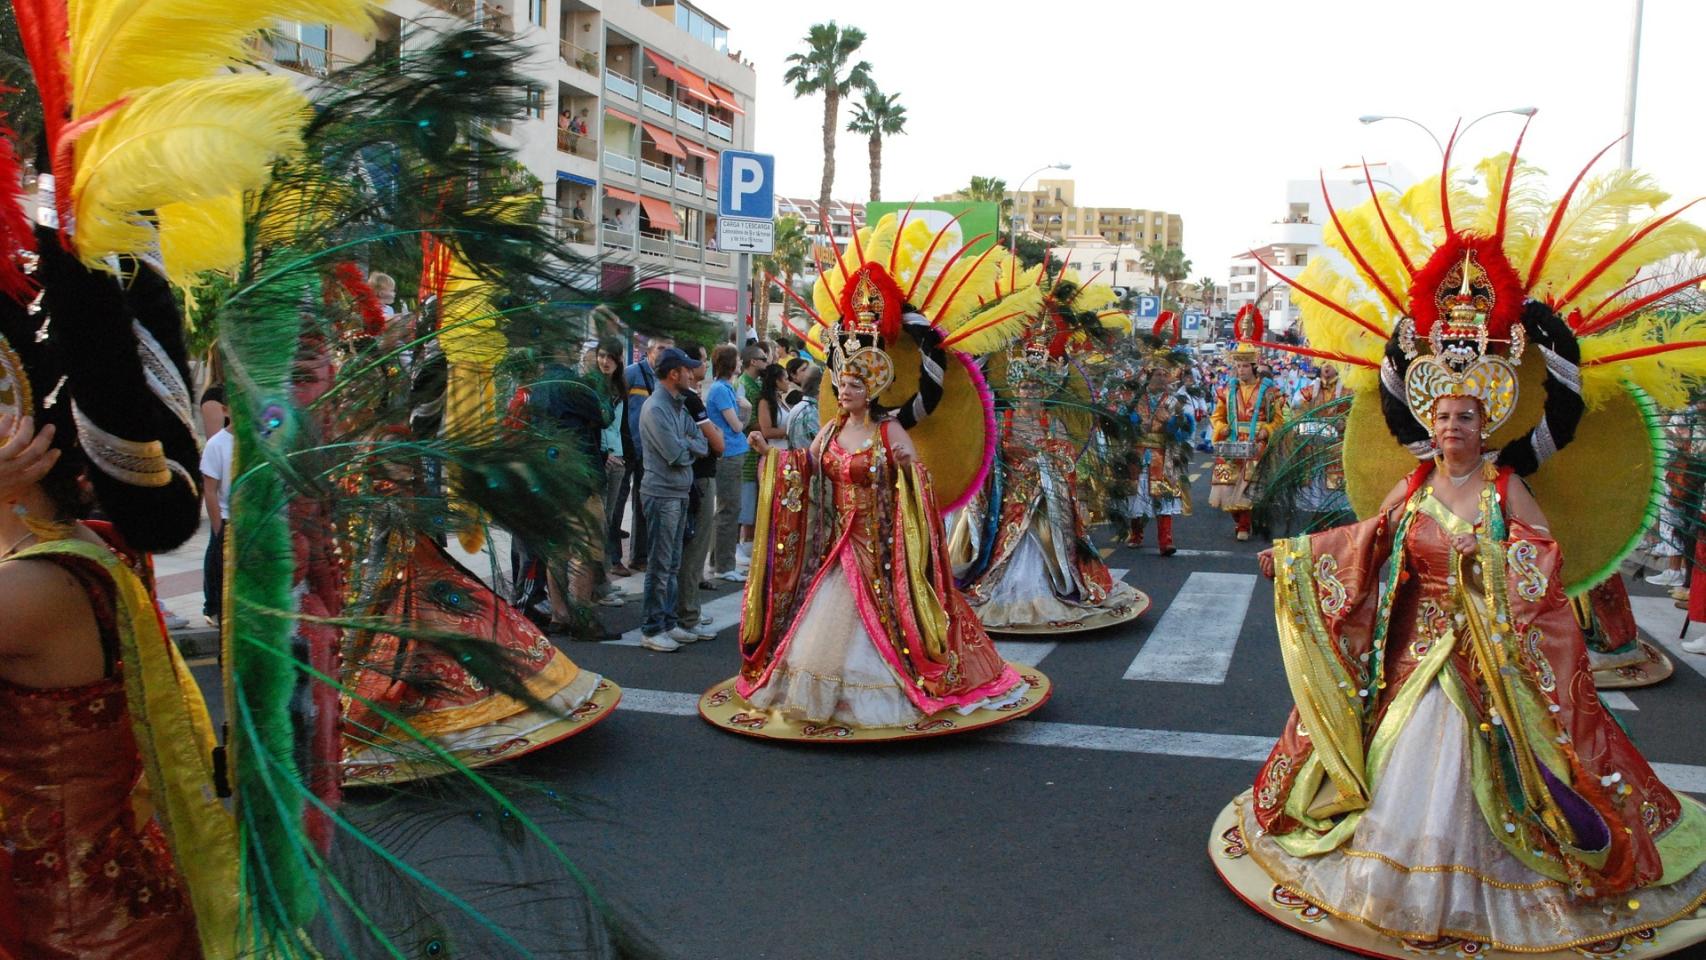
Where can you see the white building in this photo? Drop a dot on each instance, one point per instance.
(1115, 264)
(1292, 240)
(660, 96)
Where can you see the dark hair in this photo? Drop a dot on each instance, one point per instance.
(723, 360)
(813, 381)
(752, 353)
(795, 364)
(768, 383)
(617, 382)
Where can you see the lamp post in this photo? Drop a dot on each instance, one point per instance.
(1013, 221)
(1377, 117)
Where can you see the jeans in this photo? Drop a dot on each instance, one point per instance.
(728, 514)
(213, 575)
(693, 559)
(667, 521)
(629, 490)
(613, 473)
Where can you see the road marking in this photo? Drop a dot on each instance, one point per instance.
(1196, 476)
(1212, 553)
(1027, 653)
(1194, 640)
(1617, 700)
(1081, 736)
(1662, 620)
(724, 612)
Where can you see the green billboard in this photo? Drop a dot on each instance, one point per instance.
(976, 217)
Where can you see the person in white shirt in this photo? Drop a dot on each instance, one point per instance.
(216, 496)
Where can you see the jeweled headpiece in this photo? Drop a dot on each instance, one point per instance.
(1463, 363)
(1248, 327)
(1031, 363)
(856, 348)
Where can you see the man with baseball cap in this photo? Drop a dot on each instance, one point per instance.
(670, 441)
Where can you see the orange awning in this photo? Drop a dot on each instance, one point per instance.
(696, 87)
(665, 140)
(697, 150)
(727, 99)
(666, 69)
(620, 115)
(659, 213)
(617, 193)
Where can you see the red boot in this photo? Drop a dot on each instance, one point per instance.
(1135, 537)
(1242, 519)
(1164, 535)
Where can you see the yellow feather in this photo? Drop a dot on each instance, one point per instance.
(198, 237)
(122, 47)
(1603, 214)
(1017, 311)
(1667, 377)
(189, 142)
(1325, 329)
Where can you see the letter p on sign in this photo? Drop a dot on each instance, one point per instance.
(748, 185)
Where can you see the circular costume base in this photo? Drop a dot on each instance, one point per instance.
(601, 704)
(1097, 620)
(1256, 888)
(1656, 668)
(722, 707)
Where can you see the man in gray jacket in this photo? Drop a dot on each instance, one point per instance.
(669, 441)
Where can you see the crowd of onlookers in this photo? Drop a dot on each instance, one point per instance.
(680, 485)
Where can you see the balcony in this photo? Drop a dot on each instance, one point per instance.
(299, 57)
(686, 250)
(570, 230)
(654, 173)
(689, 116)
(620, 163)
(654, 246)
(617, 241)
(719, 129)
(578, 57)
(580, 145)
(710, 190)
(718, 259)
(688, 183)
(621, 86)
(655, 101)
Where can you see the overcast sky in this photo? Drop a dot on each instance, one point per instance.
(1207, 107)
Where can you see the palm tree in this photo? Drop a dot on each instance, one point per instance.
(825, 68)
(1154, 260)
(989, 190)
(1205, 289)
(878, 116)
(793, 247)
(1174, 269)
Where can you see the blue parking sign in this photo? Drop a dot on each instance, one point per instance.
(1148, 307)
(746, 185)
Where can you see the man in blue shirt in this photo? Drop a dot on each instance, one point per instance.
(641, 379)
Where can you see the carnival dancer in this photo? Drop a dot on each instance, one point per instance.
(1164, 427)
(1246, 412)
(1618, 655)
(1449, 780)
(852, 627)
(1319, 426)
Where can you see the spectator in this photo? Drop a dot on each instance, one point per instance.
(670, 441)
(803, 419)
(640, 381)
(772, 411)
(216, 497)
(753, 360)
(384, 288)
(580, 407)
(609, 360)
(723, 405)
(700, 505)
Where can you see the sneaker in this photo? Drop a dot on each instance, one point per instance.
(733, 576)
(1666, 578)
(211, 620)
(1243, 535)
(683, 636)
(704, 621)
(173, 621)
(1695, 646)
(697, 633)
(661, 642)
(611, 600)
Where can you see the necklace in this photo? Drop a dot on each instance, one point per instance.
(1457, 481)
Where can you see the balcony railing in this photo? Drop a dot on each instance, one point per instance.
(579, 144)
(654, 173)
(689, 116)
(620, 85)
(655, 101)
(710, 190)
(618, 162)
(716, 258)
(688, 183)
(719, 129)
(577, 57)
(571, 230)
(617, 241)
(686, 250)
(654, 246)
(300, 57)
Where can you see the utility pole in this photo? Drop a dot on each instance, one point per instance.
(1629, 96)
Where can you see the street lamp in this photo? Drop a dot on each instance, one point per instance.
(1013, 221)
(1377, 117)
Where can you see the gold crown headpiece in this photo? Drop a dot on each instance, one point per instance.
(1462, 363)
(856, 348)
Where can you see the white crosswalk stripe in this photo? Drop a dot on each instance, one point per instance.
(1193, 643)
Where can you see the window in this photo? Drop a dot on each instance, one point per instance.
(303, 46)
(536, 103)
(536, 12)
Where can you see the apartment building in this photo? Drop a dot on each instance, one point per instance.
(1051, 210)
(635, 100)
(1290, 242)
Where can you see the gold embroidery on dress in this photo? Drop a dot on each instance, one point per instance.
(1531, 580)
(1333, 593)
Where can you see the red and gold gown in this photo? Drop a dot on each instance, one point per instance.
(851, 613)
(1449, 771)
(1618, 655)
(88, 868)
(1241, 412)
(1043, 570)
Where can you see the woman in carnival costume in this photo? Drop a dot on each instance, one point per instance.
(1619, 657)
(1449, 782)
(1247, 412)
(1034, 566)
(852, 627)
(1162, 427)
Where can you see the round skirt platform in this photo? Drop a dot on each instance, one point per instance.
(1255, 887)
(722, 707)
(1655, 668)
(403, 769)
(1096, 620)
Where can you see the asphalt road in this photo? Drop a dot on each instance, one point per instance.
(969, 846)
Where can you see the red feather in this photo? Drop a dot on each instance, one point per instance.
(1558, 212)
(1632, 307)
(943, 306)
(1356, 254)
(1622, 248)
(1252, 313)
(46, 39)
(1644, 352)
(1320, 354)
(1336, 308)
(1397, 247)
(929, 252)
(350, 278)
(1169, 320)
(1510, 174)
(900, 228)
(16, 234)
(1501, 277)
